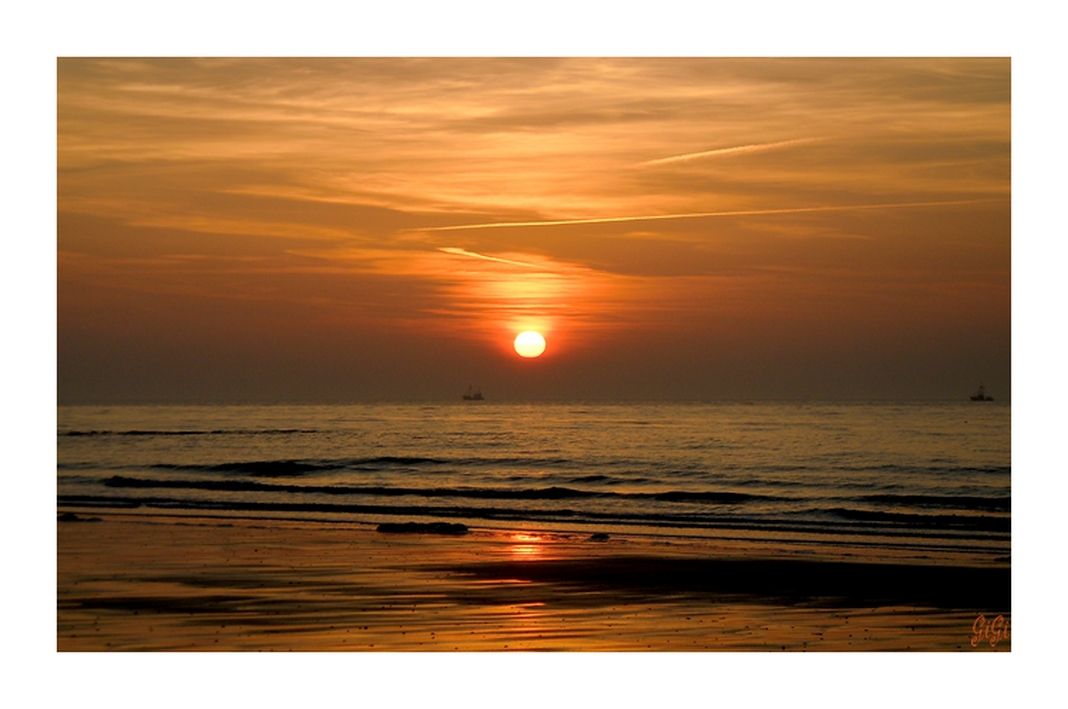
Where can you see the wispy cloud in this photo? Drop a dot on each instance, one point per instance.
(736, 150)
(471, 254)
(696, 215)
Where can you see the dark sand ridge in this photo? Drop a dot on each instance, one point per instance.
(771, 581)
(139, 583)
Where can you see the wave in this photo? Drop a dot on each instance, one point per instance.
(963, 502)
(584, 467)
(666, 520)
(591, 479)
(293, 468)
(961, 522)
(893, 468)
(280, 468)
(546, 493)
(948, 467)
(716, 497)
(693, 497)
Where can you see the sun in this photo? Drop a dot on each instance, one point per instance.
(529, 344)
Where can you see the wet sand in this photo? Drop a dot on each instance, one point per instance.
(137, 583)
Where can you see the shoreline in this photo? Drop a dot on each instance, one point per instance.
(153, 583)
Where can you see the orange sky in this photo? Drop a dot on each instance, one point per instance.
(287, 230)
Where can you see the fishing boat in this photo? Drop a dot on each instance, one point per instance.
(981, 395)
(475, 395)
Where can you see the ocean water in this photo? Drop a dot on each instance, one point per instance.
(927, 479)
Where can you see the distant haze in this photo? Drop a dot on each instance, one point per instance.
(381, 229)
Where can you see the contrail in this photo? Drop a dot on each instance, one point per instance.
(464, 252)
(692, 215)
(752, 148)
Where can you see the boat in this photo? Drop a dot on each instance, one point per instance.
(981, 395)
(476, 395)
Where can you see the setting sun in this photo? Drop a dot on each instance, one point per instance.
(529, 344)
(780, 292)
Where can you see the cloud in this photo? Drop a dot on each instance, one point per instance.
(739, 149)
(696, 215)
(472, 254)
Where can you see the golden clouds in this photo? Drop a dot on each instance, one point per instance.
(582, 197)
(532, 140)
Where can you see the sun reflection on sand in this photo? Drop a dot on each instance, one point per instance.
(526, 547)
(294, 587)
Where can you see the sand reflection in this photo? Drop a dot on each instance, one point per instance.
(127, 583)
(526, 547)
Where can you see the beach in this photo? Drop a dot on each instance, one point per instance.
(557, 527)
(133, 582)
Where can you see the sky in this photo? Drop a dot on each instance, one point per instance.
(262, 230)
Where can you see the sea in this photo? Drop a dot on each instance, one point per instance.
(926, 480)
